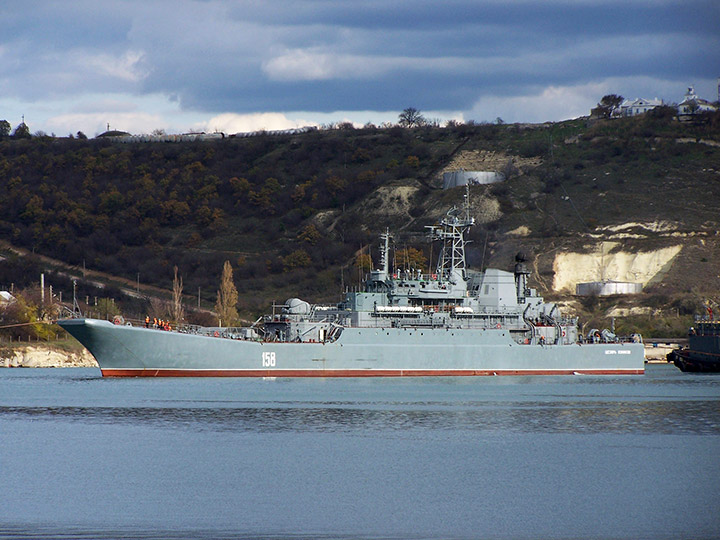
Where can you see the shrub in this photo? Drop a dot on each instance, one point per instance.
(297, 259)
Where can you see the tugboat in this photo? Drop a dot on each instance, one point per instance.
(703, 351)
(402, 322)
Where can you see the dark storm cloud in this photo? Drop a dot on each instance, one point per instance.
(348, 55)
(50, 49)
(499, 47)
(573, 17)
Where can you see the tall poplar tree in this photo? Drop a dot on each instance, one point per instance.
(178, 312)
(227, 298)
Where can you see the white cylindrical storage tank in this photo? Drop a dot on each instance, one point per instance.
(607, 288)
(460, 178)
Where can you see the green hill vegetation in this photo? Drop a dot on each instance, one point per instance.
(294, 213)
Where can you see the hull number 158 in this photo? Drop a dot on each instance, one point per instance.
(268, 359)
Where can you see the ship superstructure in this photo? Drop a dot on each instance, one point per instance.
(451, 297)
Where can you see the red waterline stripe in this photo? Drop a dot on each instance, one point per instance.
(354, 372)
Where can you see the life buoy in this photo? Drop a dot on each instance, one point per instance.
(563, 333)
(498, 326)
(216, 334)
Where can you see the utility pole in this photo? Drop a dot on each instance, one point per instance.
(75, 303)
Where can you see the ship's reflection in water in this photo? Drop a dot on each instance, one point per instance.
(494, 457)
(652, 417)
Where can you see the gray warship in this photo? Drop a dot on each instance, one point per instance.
(401, 322)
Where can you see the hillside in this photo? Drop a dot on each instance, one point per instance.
(631, 199)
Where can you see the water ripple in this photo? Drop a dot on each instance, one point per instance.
(700, 417)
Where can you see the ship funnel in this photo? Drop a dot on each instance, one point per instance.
(521, 275)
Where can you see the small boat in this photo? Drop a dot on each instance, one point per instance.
(703, 351)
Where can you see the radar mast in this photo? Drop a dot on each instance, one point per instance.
(451, 263)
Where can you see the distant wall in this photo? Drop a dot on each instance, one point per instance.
(185, 137)
(460, 178)
(189, 137)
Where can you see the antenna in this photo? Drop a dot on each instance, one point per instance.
(482, 261)
(430, 259)
(467, 202)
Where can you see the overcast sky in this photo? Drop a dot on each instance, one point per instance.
(234, 66)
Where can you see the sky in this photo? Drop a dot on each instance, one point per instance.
(246, 65)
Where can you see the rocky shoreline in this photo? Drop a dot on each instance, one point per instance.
(31, 356)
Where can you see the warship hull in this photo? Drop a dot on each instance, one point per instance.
(127, 351)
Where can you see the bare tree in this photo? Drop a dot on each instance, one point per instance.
(227, 298)
(178, 312)
(411, 117)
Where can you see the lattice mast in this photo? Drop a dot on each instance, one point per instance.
(451, 263)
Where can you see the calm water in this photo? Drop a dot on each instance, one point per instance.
(493, 457)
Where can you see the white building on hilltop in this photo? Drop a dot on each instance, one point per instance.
(692, 105)
(637, 106)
